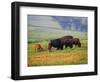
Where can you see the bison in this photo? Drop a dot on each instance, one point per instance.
(76, 42)
(38, 47)
(66, 37)
(56, 43)
(67, 41)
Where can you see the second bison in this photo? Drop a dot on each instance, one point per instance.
(67, 41)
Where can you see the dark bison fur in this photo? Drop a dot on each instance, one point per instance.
(66, 37)
(76, 42)
(67, 41)
(56, 43)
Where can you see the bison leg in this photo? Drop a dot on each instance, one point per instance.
(61, 47)
(71, 46)
(66, 46)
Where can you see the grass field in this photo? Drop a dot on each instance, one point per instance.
(67, 56)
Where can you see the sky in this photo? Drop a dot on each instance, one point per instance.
(64, 22)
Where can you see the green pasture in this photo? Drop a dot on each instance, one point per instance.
(67, 56)
(76, 55)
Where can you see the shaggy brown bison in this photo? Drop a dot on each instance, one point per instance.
(60, 42)
(67, 41)
(38, 47)
(56, 43)
(76, 42)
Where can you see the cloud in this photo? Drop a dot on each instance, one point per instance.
(62, 22)
(46, 21)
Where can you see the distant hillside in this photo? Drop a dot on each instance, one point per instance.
(51, 27)
(47, 33)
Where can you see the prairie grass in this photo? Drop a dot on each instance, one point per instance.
(67, 56)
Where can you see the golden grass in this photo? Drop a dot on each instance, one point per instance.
(56, 59)
(67, 56)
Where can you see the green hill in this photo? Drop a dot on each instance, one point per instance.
(48, 33)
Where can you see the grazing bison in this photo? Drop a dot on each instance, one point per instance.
(38, 47)
(56, 43)
(76, 42)
(67, 41)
